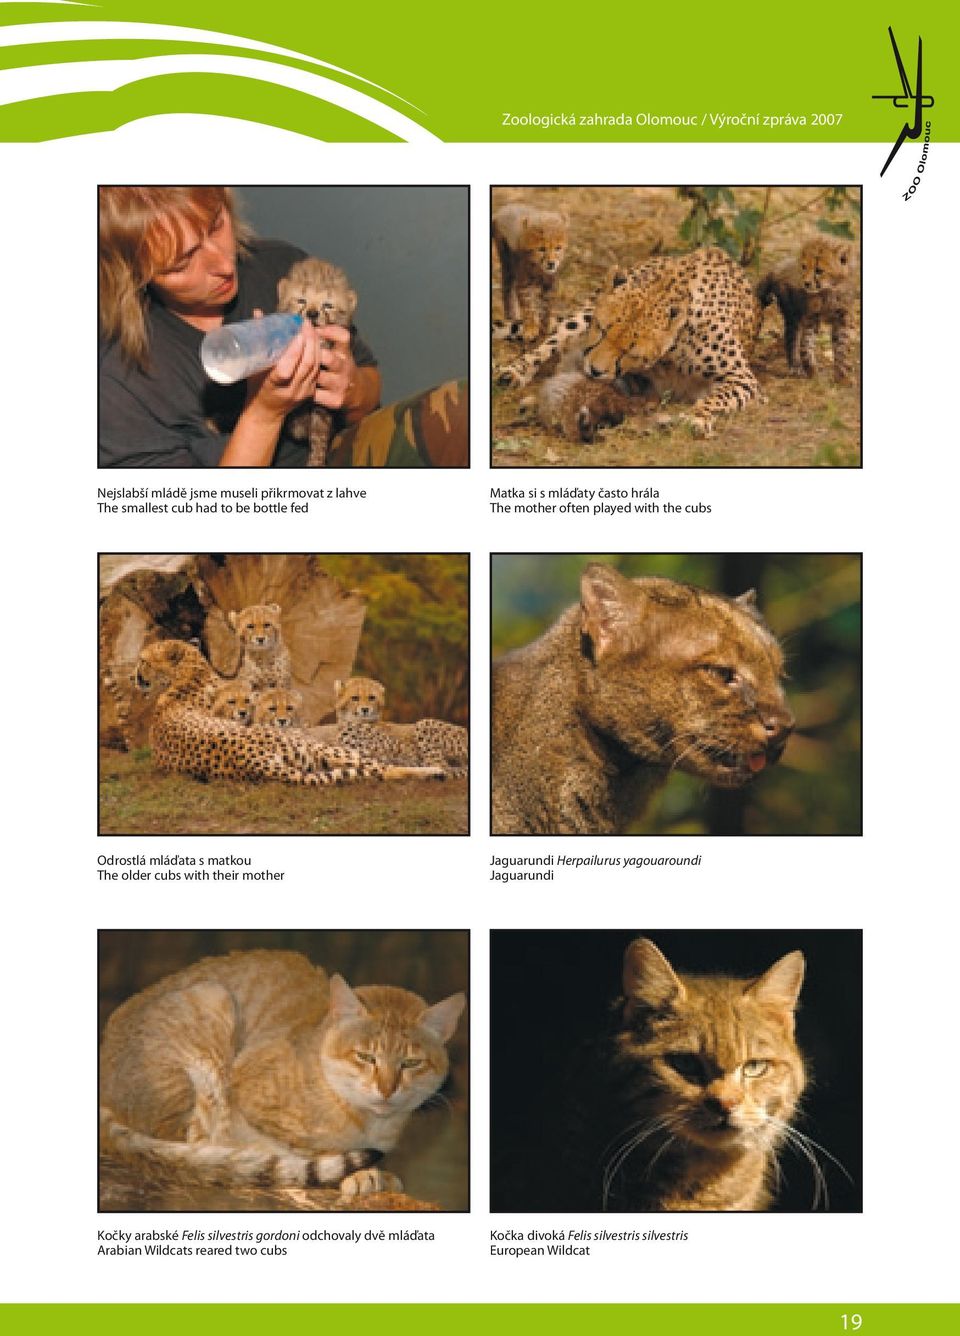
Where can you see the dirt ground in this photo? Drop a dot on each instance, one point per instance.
(802, 423)
(137, 799)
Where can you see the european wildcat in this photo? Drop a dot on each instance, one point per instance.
(255, 1067)
(322, 294)
(644, 677)
(530, 243)
(684, 1104)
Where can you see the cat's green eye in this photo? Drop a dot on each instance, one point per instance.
(412, 1062)
(756, 1067)
(364, 1057)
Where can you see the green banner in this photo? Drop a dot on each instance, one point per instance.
(700, 73)
(505, 1319)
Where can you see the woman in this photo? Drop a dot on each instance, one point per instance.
(175, 261)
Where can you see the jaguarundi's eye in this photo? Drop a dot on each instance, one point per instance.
(728, 676)
(756, 1067)
(412, 1062)
(687, 1065)
(364, 1057)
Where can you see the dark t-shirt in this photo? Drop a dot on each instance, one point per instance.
(155, 420)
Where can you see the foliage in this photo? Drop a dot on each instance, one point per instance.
(416, 632)
(717, 217)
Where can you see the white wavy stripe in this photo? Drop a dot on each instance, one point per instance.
(20, 85)
(26, 34)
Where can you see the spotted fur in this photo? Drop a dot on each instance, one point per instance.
(278, 708)
(681, 325)
(530, 244)
(185, 738)
(266, 659)
(359, 703)
(817, 288)
(233, 701)
(321, 293)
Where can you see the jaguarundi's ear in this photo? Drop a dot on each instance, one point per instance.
(649, 982)
(343, 1000)
(605, 598)
(780, 985)
(748, 603)
(442, 1018)
(275, 608)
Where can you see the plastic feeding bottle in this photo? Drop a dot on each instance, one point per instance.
(233, 352)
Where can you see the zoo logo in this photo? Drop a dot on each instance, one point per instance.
(903, 101)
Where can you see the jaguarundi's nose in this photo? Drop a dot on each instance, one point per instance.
(779, 725)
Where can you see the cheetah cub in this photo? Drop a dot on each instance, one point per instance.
(359, 704)
(266, 659)
(322, 294)
(278, 708)
(234, 701)
(530, 244)
(577, 408)
(818, 287)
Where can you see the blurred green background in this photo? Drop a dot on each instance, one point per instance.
(812, 603)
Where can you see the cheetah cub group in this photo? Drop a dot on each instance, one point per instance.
(250, 726)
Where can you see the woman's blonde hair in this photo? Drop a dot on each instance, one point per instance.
(142, 233)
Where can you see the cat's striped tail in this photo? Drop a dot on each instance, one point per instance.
(210, 1162)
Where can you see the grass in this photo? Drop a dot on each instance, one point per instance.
(802, 423)
(136, 799)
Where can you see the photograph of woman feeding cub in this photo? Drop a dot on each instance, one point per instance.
(180, 263)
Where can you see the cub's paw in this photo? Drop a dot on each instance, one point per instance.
(366, 1181)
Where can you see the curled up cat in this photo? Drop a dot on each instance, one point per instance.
(258, 1068)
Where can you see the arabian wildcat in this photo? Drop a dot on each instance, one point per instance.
(644, 677)
(685, 1103)
(256, 1068)
(322, 294)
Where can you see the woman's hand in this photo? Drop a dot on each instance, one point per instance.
(338, 370)
(342, 385)
(276, 392)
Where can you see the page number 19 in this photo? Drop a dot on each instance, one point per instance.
(852, 1321)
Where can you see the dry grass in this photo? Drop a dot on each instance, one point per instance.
(802, 424)
(136, 799)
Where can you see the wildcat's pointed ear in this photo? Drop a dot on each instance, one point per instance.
(748, 599)
(343, 1000)
(648, 978)
(275, 608)
(605, 607)
(442, 1018)
(780, 985)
